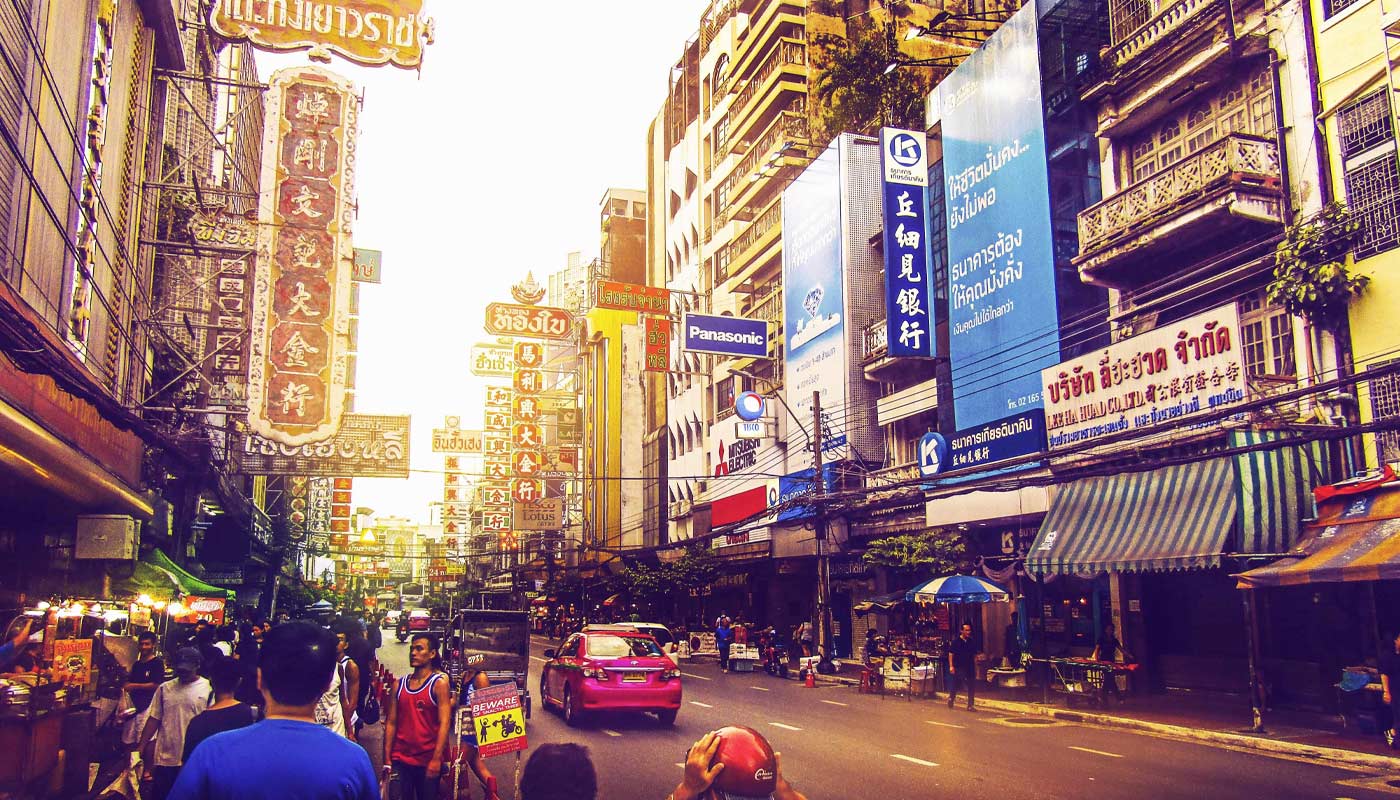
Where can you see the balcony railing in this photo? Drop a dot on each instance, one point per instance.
(722, 14)
(766, 222)
(790, 126)
(877, 341)
(786, 54)
(1232, 159)
(1136, 26)
(892, 476)
(769, 308)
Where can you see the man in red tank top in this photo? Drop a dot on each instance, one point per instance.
(420, 716)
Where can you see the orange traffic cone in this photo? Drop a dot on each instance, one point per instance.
(811, 679)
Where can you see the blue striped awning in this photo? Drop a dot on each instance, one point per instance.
(1171, 518)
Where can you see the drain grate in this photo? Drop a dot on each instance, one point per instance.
(1028, 721)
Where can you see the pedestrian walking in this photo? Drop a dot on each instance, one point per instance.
(246, 654)
(288, 754)
(1108, 648)
(724, 639)
(146, 674)
(1389, 664)
(804, 637)
(962, 667)
(420, 715)
(227, 713)
(174, 704)
(349, 675)
(559, 772)
(330, 711)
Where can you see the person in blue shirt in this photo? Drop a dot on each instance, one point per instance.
(724, 638)
(10, 650)
(287, 755)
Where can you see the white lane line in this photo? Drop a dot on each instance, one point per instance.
(785, 726)
(702, 705)
(697, 677)
(611, 732)
(759, 688)
(1095, 752)
(834, 703)
(537, 658)
(913, 760)
(945, 724)
(681, 764)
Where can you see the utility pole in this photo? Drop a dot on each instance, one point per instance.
(823, 572)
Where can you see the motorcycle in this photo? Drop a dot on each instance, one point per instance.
(775, 654)
(401, 630)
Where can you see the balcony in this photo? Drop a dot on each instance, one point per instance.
(876, 341)
(1140, 25)
(788, 53)
(892, 476)
(737, 251)
(788, 129)
(769, 307)
(1228, 190)
(722, 14)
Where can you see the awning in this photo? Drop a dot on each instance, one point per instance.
(881, 603)
(612, 601)
(188, 583)
(1356, 538)
(146, 579)
(1176, 517)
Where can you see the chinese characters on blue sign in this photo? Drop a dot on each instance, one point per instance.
(908, 320)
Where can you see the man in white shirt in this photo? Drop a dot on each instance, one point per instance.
(175, 703)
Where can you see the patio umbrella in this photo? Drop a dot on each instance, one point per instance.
(957, 589)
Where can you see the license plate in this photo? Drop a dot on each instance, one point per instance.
(634, 677)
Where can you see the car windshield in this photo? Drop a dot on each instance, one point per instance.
(610, 646)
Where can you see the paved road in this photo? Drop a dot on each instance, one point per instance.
(839, 744)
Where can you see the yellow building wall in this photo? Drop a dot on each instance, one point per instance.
(1351, 64)
(603, 424)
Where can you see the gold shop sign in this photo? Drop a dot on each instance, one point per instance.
(367, 32)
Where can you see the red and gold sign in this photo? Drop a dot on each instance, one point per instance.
(497, 469)
(498, 398)
(527, 409)
(532, 322)
(658, 344)
(528, 381)
(526, 463)
(632, 297)
(496, 521)
(497, 421)
(301, 299)
(367, 32)
(495, 493)
(527, 436)
(526, 490)
(529, 355)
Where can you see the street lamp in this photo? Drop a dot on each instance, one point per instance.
(938, 61)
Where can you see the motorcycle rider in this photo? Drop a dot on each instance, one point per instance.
(474, 677)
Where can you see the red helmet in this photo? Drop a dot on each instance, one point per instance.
(750, 770)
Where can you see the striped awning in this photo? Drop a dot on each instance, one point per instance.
(1355, 538)
(1177, 517)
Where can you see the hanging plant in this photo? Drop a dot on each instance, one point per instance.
(1312, 276)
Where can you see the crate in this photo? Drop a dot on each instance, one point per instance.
(742, 664)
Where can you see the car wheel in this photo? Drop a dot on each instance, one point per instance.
(667, 717)
(544, 688)
(572, 715)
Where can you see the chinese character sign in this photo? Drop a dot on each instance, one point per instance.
(658, 344)
(301, 320)
(908, 305)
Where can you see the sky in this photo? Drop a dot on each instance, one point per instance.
(489, 164)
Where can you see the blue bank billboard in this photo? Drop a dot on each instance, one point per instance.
(814, 301)
(1002, 318)
(904, 205)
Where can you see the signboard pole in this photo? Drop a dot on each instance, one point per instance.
(823, 603)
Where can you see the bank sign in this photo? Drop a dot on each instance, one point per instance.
(1002, 319)
(725, 336)
(909, 307)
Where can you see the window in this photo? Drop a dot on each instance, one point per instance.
(1267, 332)
(1334, 7)
(1385, 404)
(1372, 178)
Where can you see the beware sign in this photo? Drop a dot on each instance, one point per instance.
(498, 720)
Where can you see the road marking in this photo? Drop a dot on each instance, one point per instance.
(680, 764)
(834, 703)
(785, 726)
(946, 724)
(697, 677)
(913, 760)
(611, 732)
(1095, 752)
(759, 688)
(702, 705)
(537, 658)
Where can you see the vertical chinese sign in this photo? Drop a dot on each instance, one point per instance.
(301, 303)
(496, 462)
(909, 310)
(341, 490)
(658, 344)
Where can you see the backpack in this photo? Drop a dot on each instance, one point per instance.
(370, 711)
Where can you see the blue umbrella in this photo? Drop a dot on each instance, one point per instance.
(957, 589)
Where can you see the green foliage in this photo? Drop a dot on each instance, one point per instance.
(1311, 275)
(938, 551)
(854, 93)
(696, 568)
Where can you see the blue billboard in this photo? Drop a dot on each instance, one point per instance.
(904, 197)
(1002, 318)
(725, 336)
(814, 300)
(802, 482)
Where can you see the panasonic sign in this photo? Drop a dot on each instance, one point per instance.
(725, 336)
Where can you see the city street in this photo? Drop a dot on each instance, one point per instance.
(838, 744)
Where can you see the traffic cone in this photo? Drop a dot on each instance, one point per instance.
(811, 679)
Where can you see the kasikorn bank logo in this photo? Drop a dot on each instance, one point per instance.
(905, 150)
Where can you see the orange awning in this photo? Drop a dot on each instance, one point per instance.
(1356, 538)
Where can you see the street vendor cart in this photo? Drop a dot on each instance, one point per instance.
(1085, 678)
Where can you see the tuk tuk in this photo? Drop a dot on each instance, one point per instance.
(494, 642)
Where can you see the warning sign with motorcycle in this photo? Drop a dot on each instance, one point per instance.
(498, 719)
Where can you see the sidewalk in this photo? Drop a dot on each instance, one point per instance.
(1205, 718)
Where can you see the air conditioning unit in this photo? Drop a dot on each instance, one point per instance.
(110, 536)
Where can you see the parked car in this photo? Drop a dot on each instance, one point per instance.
(419, 619)
(611, 668)
(656, 630)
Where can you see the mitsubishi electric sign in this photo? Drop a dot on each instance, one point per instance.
(725, 336)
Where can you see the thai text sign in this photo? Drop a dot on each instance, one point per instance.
(369, 266)
(492, 360)
(368, 32)
(301, 305)
(367, 446)
(541, 515)
(631, 297)
(1147, 380)
(658, 344)
(535, 322)
(456, 440)
(1001, 260)
(908, 303)
(725, 336)
(498, 720)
